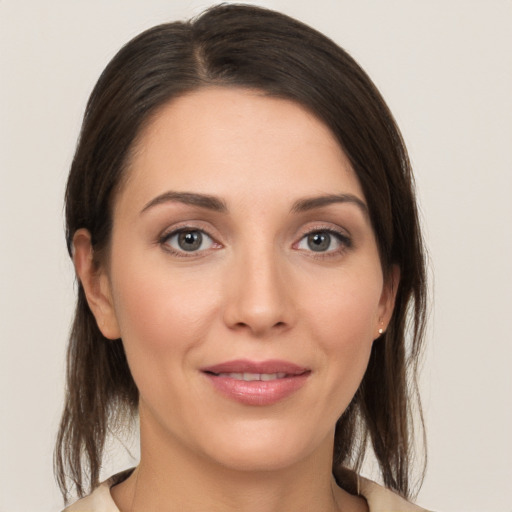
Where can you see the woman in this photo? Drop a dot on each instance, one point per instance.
(241, 216)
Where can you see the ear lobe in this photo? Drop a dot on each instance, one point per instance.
(96, 285)
(387, 299)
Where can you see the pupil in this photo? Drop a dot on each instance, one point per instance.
(319, 242)
(190, 241)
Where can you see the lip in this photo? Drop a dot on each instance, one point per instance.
(257, 392)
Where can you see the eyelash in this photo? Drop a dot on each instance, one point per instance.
(164, 241)
(344, 241)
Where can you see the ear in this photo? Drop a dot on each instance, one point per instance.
(96, 284)
(387, 300)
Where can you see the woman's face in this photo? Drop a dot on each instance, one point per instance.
(244, 279)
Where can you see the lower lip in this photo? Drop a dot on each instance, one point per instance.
(258, 392)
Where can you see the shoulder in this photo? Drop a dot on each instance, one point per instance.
(381, 499)
(100, 500)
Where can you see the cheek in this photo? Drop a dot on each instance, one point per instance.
(162, 315)
(348, 308)
(344, 327)
(164, 321)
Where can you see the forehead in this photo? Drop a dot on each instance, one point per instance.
(232, 142)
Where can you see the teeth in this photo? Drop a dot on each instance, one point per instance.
(272, 376)
(248, 377)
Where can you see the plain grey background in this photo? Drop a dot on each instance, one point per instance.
(445, 69)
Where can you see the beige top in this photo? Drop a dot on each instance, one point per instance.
(379, 498)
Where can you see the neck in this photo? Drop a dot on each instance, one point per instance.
(172, 477)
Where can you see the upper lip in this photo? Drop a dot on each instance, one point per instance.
(246, 366)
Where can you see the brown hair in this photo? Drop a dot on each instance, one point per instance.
(245, 46)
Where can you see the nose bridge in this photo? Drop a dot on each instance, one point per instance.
(259, 291)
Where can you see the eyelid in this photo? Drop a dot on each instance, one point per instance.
(328, 227)
(167, 234)
(343, 237)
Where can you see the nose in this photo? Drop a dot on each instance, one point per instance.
(259, 295)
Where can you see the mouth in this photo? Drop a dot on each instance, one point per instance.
(251, 377)
(257, 383)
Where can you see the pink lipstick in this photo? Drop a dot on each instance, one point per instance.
(257, 383)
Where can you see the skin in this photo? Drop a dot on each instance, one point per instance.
(254, 290)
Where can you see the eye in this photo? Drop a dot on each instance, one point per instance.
(188, 241)
(323, 241)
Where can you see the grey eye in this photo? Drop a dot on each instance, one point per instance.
(189, 241)
(319, 242)
(323, 241)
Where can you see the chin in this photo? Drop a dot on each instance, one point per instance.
(255, 461)
(263, 449)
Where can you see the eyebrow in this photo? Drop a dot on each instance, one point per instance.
(218, 205)
(201, 200)
(310, 203)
